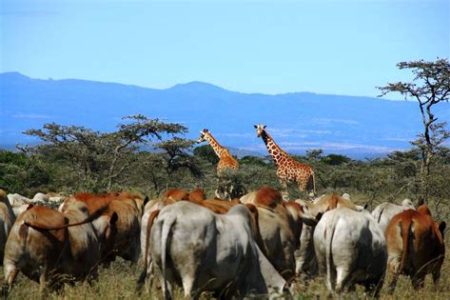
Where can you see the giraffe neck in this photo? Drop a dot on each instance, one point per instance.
(218, 149)
(274, 150)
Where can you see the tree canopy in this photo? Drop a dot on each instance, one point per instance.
(429, 87)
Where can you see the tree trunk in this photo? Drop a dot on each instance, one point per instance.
(427, 156)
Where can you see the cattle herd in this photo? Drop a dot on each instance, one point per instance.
(257, 245)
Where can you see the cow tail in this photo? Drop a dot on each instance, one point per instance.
(143, 275)
(405, 229)
(329, 260)
(165, 240)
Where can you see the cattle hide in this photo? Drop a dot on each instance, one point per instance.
(350, 249)
(203, 251)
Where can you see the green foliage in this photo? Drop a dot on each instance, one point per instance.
(177, 157)
(429, 87)
(18, 172)
(96, 161)
(335, 159)
(207, 153)
(255, 161)
(75, 159)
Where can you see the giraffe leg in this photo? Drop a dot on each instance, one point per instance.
(284, 190)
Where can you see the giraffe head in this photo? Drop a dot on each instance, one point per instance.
(203, 134)
(260, 128)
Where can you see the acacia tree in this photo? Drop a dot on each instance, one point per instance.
(430, 86)
(177, 157)
(100, 157)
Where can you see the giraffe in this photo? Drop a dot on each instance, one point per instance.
(288, 169)
(226, 162)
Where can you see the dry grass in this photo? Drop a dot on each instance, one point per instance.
(119, 282)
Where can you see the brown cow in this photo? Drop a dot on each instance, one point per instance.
(415, 246)
(177, 194)
(197, 195)
(126, 243)
(280, 225)
(173, 195)
(139, 201)
(45, 242)
(136, 200)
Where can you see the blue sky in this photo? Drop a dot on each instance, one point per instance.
(323, 46)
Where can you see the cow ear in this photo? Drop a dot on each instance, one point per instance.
(114, 218)
(264, 127)
(256, 126)
(442, 226)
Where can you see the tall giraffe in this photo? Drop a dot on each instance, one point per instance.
(288, 169)
(226, 160)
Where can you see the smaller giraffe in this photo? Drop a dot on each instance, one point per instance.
(226, 160)
(288, 169)
(226, 163)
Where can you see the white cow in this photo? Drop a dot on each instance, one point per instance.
(306, 263)
(17, 200)
(19, 209)
(350, 249)
(203, 251)
(384, 212)
(40, 197)
(18, 203)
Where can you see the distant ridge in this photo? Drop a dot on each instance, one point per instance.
(197, 86)
(351, 125)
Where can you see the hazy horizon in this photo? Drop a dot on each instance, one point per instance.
(206, 83)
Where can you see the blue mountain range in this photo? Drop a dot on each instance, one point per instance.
(354, 126)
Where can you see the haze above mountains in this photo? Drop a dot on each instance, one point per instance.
(355, 126)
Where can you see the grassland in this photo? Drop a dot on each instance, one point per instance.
(118, 282)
